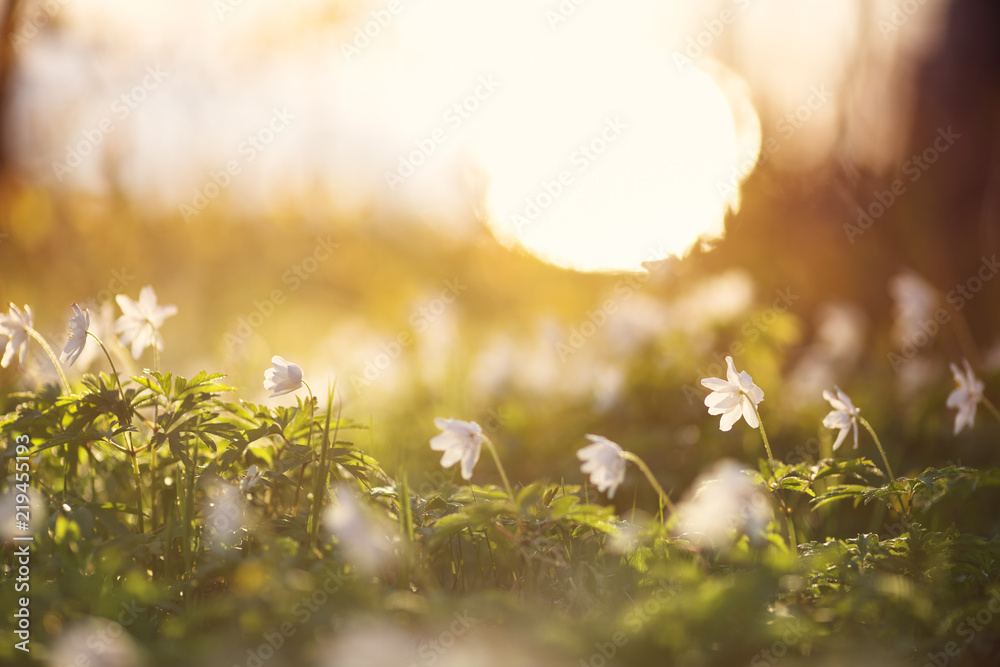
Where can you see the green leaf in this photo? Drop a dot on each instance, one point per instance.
(447, 527)
(841, 492)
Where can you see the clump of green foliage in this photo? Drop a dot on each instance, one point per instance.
(151, 521)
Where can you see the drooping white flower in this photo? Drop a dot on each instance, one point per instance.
(724, 501)
(79, 323)
(15, 327)
(102, 325)
(603, 461)
(365, 540)
(735, 397)
(252, 478)
(141, 320)
(965, 397)
(460, 441)
(283, 377)
(843, 416)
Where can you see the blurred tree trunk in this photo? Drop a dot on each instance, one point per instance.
(8, 57)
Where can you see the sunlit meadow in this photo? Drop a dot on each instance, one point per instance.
(364, 333)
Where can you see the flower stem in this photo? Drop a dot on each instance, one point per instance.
(52, 355)
(992, 408)
(64, 383)
(322, 471)
(302, 471)
(138, 483)
(664, 498)
(126, 413)
(114, 370)
(506, 482)
(763, 434)
(885, 459)
(496, 459)
(792, 539)
(312, 412)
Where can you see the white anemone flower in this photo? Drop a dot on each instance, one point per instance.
(283, 377)
(604, 462)
(79, 323)
(460, 441)
(15, 327)
(252, 478)
(141, 321)
(843, 416)
(965, 397)
(724, 501)
(735, 397)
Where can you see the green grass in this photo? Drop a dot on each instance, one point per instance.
(143, 525)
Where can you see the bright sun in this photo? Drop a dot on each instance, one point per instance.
(600, 149)
(597, 146)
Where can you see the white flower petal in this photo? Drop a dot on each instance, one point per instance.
(837, 419)
(603, 461)
(469, 460)
(966, 396)
(79, 323)
(729, 418)
(715, 384)
(141, 320)
(731, 374)
(841, 436)
(282, 378)
(15, 327)
(844, 416)
(451, 456)
(749, 413)
(733, 398)
(460, 441)
(8, 356)
(720, 400)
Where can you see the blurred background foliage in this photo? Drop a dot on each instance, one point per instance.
(418, 306)
(512, 349)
